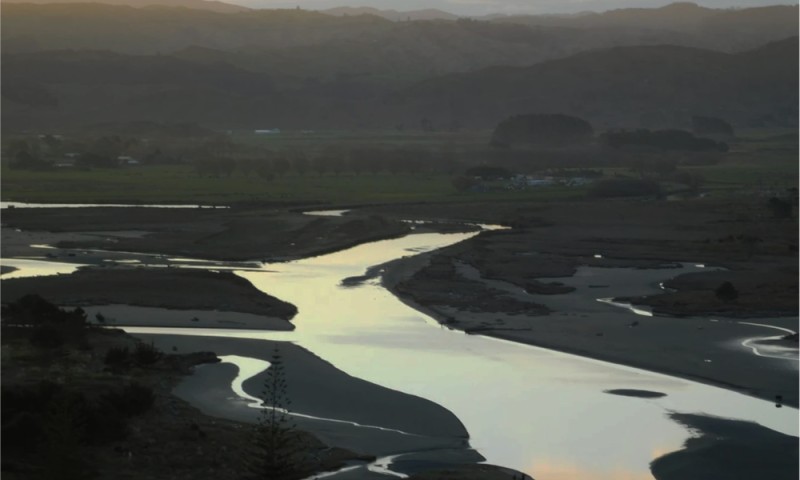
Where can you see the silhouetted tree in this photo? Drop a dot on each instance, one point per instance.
(542, 129)
(23, 160)
(726, 292)
(779, 208)
(710, 126)
(276, 440)
(463, 183)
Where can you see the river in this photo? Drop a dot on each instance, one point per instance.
(535, 410)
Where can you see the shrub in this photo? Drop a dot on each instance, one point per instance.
(106, 424)
(462, 183)
(542, 129)
(47, 336)
(710, 126)
(779, 208)
(726, 292)
(134, 399)
(146, 354)
(117, 356)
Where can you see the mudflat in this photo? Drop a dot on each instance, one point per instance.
(212, 234)
(560, 258)
(169, 288)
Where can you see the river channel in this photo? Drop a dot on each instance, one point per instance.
(535, 410)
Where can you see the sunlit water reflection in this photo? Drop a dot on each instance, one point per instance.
(536, 410)
(539, 411)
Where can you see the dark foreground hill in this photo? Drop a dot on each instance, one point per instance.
(655, 86)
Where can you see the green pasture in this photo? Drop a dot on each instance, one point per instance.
(181, 184)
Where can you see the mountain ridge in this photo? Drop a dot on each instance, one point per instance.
(644, 86)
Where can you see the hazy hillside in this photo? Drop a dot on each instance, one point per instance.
(521, 40)
(394, 15)
(626, 86)
(150, 30)
(623, 86)
(724, 29)
(210, 5)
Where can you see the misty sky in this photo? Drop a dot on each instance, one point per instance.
(481, 7)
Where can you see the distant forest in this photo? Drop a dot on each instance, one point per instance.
(225, 67)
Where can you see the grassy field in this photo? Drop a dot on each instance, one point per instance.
(180, 184)
(754, 163)
(312, 141)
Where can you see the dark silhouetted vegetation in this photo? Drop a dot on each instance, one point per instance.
(145, 354)
(117, 357)
(463, 183)
(710, 126)
(780, 208)
(726, 292)
(133, 399)
(48, 326)
(676, 140)
(276, 442)
(541, 129)
(23, 160)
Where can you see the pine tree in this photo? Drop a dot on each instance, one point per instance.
(276, 441)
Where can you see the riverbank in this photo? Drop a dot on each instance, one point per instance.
(755, 293)
(747, 450)
(341, 410)
(556, 316)
(236, 234)
(101, 405)
(177, 289)
(693, 348)
(552, 239)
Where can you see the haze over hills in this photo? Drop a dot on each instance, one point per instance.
(394, 15)
(211, 5)
(727, 29)
(28, 27)
(660, 86)
(72, 64)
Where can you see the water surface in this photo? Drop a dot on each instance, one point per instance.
(539, 411)
(532, 409)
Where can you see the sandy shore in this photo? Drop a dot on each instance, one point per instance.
(180, 289)
(692, 348)
(6, 269)
(746, 450)
(535, 285)
(341, 410)
(764, 293)
(228, 234)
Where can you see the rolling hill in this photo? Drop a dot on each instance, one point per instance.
(649, 86)
(210, 5)
(652, 86)
(122, 28)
